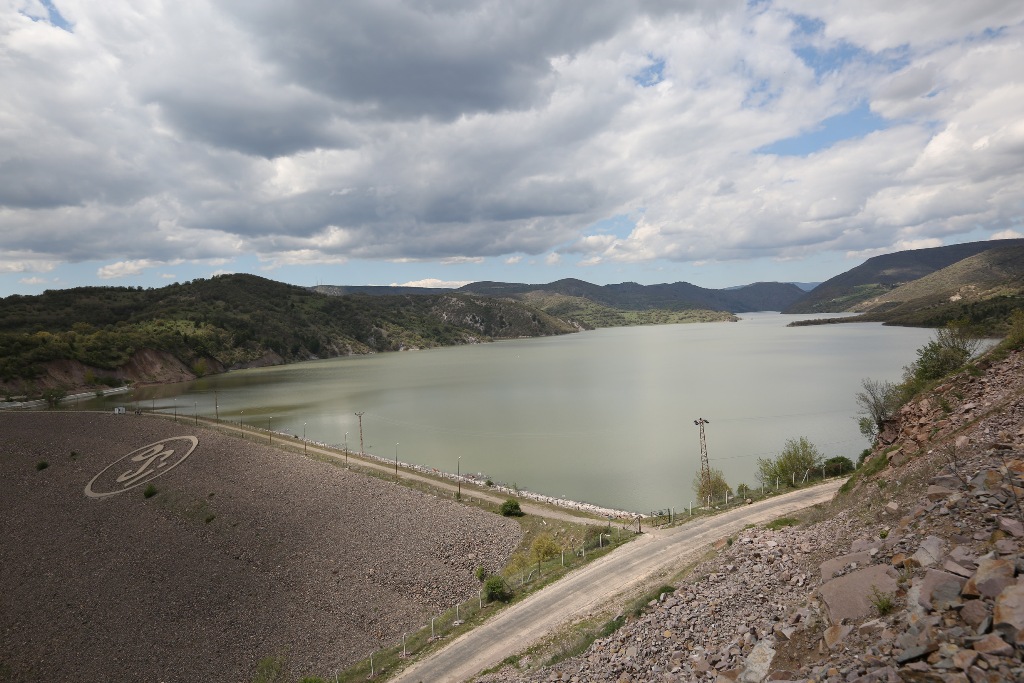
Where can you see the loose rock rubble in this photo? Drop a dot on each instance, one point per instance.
(245, 552)
(915, 575)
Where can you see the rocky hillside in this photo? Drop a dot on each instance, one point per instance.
(914, 573)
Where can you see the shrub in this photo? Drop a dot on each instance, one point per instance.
(837, 465)
(1015, 335)
(510, 508)
(883, 602)
(42, 465)
(952, 347)
(481, 573)
(495, 589)
(878, 404)
(149, 492)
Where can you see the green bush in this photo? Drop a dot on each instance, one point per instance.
(149, 492)
(496, 590)
(510, 508)
(837, 465)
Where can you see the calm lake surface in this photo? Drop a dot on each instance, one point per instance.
(605, 416)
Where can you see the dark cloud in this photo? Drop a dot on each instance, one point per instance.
(255, 125)
(439, 59)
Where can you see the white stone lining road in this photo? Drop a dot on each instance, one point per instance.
(588, 589)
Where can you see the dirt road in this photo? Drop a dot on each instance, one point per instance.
(587, 590)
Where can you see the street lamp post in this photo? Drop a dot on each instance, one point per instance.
(396, 460)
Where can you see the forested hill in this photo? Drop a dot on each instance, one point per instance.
(234, 320)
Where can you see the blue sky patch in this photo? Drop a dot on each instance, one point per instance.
(56, 18)
(652, 74)
(852, 125)
(620, 226)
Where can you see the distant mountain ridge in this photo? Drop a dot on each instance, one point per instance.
(881, 274)
(630, 296)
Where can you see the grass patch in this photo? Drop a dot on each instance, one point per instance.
(42, 465)
(581, 641)
(882, 602)
(149, 492)
(641, 603)
(875, 465)
(781, 523)
(270, 670)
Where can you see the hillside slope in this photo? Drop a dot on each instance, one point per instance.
(982, 288)
(880, 274)
(236, 321)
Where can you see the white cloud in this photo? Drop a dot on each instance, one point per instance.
(126, 268)
(1006, 235)
(321, 134)
(33, 281)
(553, 259)
(433, 283)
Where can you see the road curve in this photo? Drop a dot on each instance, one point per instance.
(590, 587)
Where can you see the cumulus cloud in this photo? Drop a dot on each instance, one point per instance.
(128, 268)
(433, 283)
(456, 131)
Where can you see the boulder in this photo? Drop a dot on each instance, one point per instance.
(1008, 617)
(992, 577)
(849, 597)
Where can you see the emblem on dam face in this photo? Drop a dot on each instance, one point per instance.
(140, 466)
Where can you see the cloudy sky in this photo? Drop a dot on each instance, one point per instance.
(393, 141)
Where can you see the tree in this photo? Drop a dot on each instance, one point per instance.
(544, 547)
(878, 403)
(717, 488)
(797, 457)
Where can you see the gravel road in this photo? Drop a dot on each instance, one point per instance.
(244, 552)
(586, 590)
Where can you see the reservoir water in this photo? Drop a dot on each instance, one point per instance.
(605, 416)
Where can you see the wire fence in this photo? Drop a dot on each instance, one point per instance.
(461, 617)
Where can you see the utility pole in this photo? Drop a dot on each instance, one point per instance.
(705, 469)
(360, 416)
